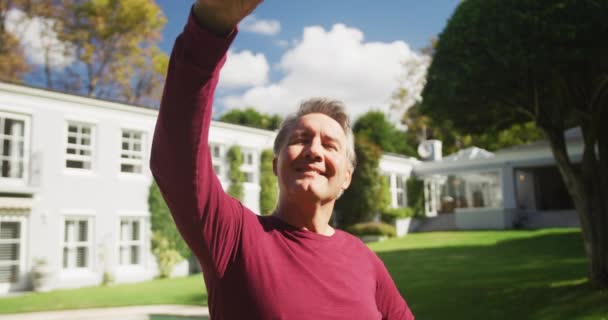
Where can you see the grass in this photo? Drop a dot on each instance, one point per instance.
(186, 290)
(443, 275)
(494, 275)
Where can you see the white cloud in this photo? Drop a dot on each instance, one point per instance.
(337, 64)
(35, 35)
(261, 26)
(244, 69)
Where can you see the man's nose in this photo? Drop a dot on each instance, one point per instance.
(314, 149)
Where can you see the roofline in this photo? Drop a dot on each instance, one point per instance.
(226, 125)
(400, 157)
(50, 94)
(113, 105)
(575, 151)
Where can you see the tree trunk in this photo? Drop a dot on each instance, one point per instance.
(588, 189)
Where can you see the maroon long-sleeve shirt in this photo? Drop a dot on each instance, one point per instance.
(254, 267)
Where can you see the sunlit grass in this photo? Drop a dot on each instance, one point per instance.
(494, 275)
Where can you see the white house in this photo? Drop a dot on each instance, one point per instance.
(74, 182)
(514, 187)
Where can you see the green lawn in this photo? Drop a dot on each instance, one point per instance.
(494, 275)
(442, 275)
(186, 290)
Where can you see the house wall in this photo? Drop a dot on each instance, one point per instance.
(102, 195)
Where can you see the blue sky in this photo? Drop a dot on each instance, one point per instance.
(280, 62)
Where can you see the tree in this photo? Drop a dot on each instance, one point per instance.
(252, 118)
(235, 175)
(376, 128)
(13, 65)
(500, 63)
(268, 184)
(366, 197)
(111, 46)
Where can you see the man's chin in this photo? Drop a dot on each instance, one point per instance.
(309, 192)
(304, 189)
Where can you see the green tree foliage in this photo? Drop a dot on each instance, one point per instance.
(268, 184)
(376, 128)
(235, 175)
(500, 63)
(252, 118)
(167, 244)
(367, 195)
(517, 134)
(422, 127)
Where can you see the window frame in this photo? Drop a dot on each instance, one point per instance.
(219, 160)
(76, 157)
(250, 168)
(19, 263)
(26, 159)
(142, 152)
(128, 244)
(400, 192)
(72, 262)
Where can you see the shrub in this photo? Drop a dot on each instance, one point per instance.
(415, 196)
(372, 229)
(235, 175)
(391, 214)
(268, 184)
(162, 222)
(166, 257)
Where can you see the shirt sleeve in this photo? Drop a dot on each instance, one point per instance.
(208, 219)
(388, 299)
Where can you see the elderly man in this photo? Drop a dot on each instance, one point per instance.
(293, 264)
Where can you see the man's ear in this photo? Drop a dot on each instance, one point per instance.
(347, 178)
(274, 166)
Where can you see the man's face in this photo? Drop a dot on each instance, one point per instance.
(312, 164)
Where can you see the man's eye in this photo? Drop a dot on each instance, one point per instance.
(331, 147)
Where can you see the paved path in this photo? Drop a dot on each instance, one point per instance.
(121, 313)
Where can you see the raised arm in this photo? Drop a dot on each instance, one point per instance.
(208, 219)
(388, 299)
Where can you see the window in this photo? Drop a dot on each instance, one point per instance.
(217, 157)
(131, 241)
(471, 190)
(77, 243)
(13, 147)
(10, 247)
(249, 166)
(132, 153)
(400, 191)
(79, 151)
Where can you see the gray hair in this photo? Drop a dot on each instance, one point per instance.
(331, 108)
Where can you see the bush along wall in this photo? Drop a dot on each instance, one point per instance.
(415, 196)
(235, 175)
(268, 184)
(166, 242)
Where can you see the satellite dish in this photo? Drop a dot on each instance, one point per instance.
(425, 149)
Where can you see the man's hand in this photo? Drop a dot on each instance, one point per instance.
(221, 16)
